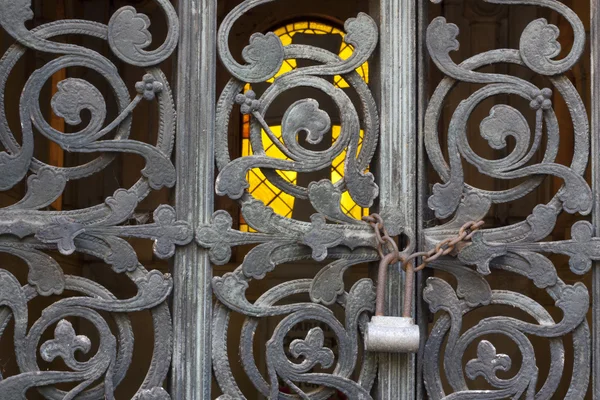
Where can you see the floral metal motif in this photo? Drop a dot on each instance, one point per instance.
(518, 248)
(27, 229)
(282, 239)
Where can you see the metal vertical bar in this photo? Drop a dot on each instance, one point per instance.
(424, 213)
(397, 166)
(192, 297)
(595, 132)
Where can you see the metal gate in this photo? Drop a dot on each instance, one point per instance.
(76, 274)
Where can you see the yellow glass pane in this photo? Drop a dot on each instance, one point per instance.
(350, 207)
(345, 52)
(336, 176)
(265, 195)
(335, 132)
(289, 201)
(272, 188)
(299, 26)
(316, 25)
(289, 176)
(287, 66)
(281, 31)
(270, 149)
(338, 162)
(321, 28)
(285, 38)
(264, 190)
(363, 71)
(280, 207)
(255, 179)
(340, 82)
(246, 148)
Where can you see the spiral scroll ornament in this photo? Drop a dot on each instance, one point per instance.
(518, 248)
(28, 228)
(330, 234)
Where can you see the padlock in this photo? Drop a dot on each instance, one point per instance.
(393, 334)
(400, 334)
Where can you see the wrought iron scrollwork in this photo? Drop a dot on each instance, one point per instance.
(27, 229)
(518, 248)
(282, 239)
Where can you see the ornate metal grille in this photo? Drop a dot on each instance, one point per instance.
(284, 239)
(196, 331)
(28, 229)
(519, 248)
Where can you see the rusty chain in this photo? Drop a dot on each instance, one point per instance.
(382, 236)
(390, 254)
(446, 246)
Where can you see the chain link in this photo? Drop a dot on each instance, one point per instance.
(446, 246)
(384, 240)
(389, 254)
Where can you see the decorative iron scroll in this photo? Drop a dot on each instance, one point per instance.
(282, 239)
(27, 228)
(516, 248)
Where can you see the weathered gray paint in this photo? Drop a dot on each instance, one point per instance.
(192, 300)
(280, 239)
(386, 334)
(397, 167)
(595, 156)
(28, 228)
(202, 137)
(518, 248)
(424, 213)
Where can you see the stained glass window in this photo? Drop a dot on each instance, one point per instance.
(260, 187)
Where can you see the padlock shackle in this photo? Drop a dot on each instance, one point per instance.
(382, 274)
(409, 278)
(384, 264)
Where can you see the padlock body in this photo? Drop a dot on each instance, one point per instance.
(392, 335)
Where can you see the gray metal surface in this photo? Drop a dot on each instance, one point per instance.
(595, 156)
(28, 229)
(280, 239)
(197, 339)
(519, 248)
(192, 297)
(396, 165)
(392, 335)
